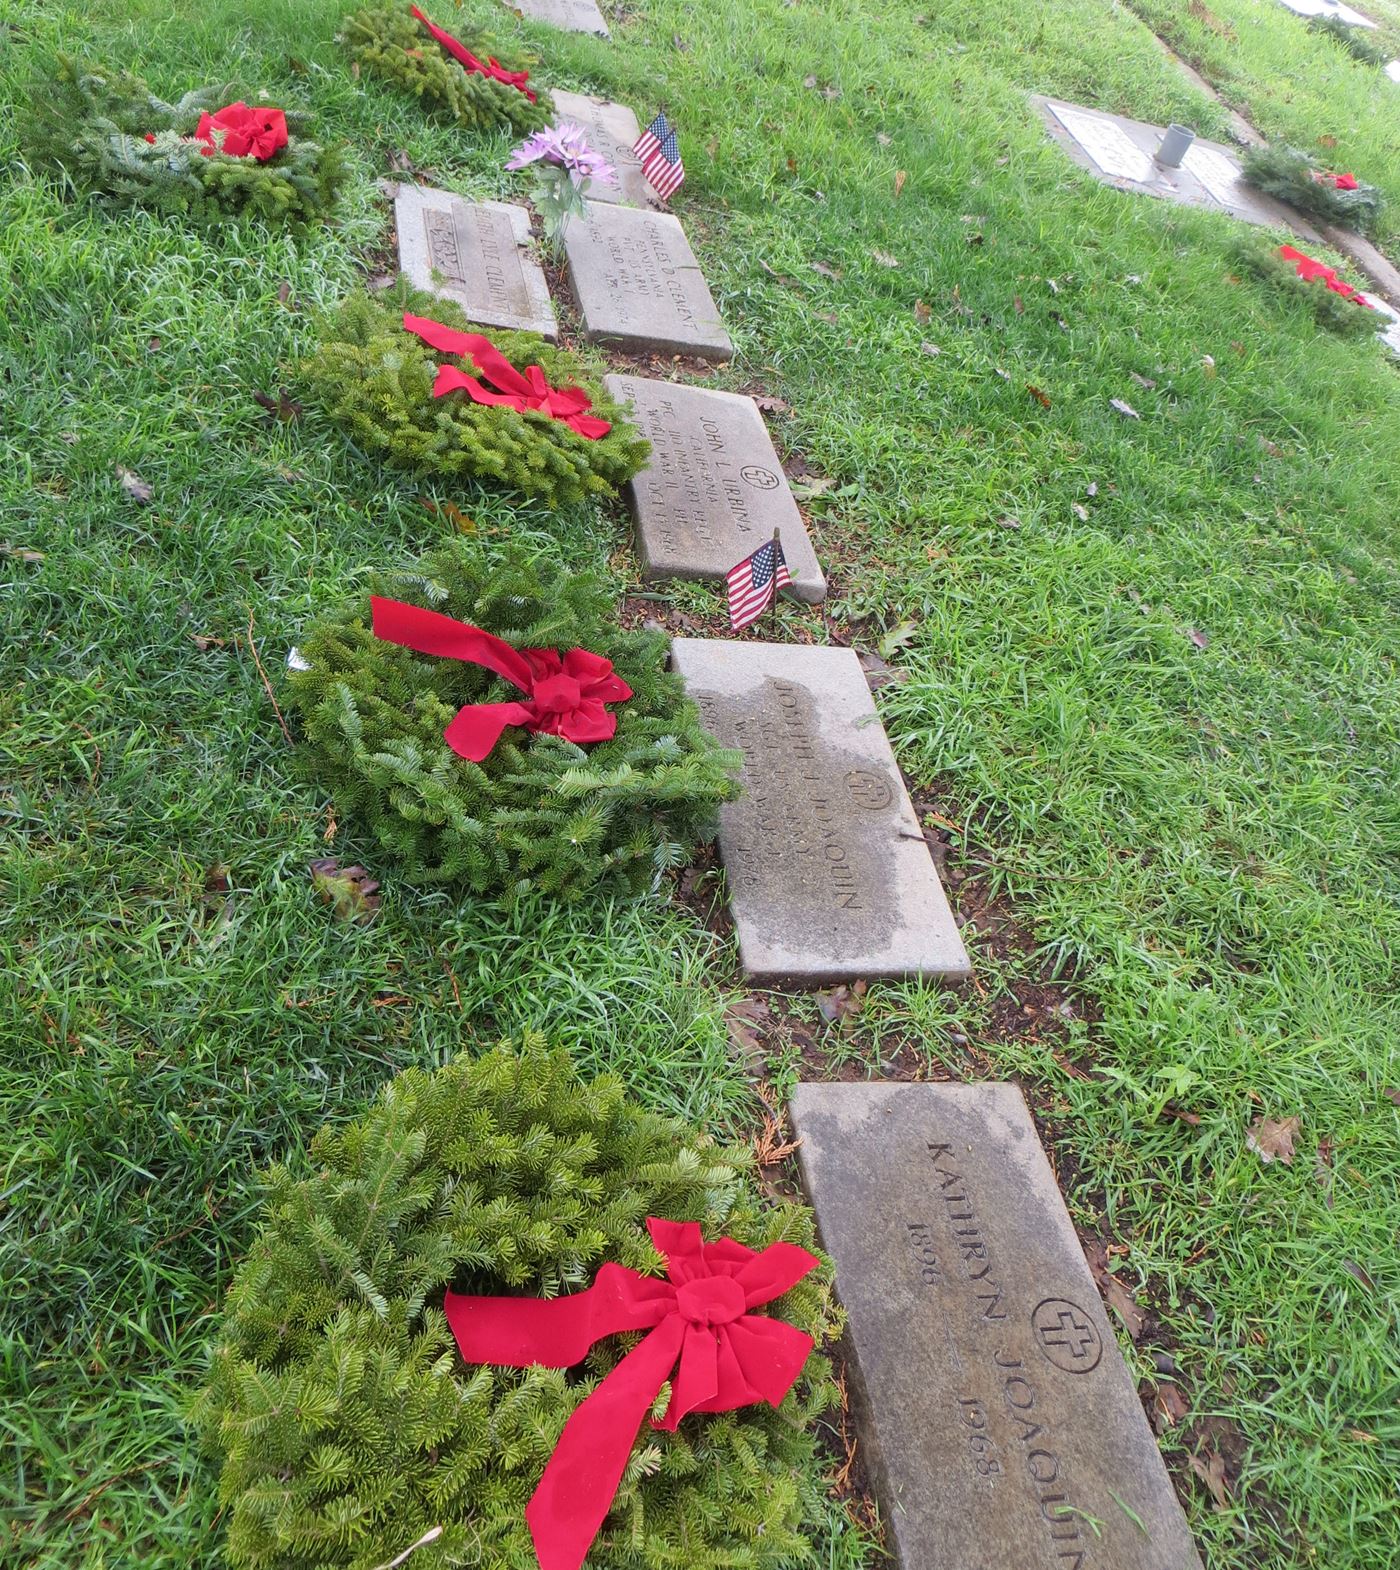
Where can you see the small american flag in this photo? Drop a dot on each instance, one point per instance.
(754, 583)
(661, 157)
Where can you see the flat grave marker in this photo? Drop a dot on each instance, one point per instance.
(572, 16)
(829, 876)
(612, 130)
(1343, 13)
(997, 1418)
(483, 253)
(1121, 153)
(639, 285)
(714, 489)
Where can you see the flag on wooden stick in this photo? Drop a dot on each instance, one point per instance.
(661, 157)
(754, 583)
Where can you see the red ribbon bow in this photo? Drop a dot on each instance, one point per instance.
(564, 694)
(257, 133)
(489, 67)
(518, 390)
(1309, 268)
(1345, 182)
(728, 1358)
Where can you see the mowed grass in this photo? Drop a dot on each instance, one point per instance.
(1205, 838)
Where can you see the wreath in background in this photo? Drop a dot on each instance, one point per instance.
(113, 137)
(391, 43)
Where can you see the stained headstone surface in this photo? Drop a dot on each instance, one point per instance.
(1121, 152)
(714, 489)
(996, 1415)
(573, 16)
(480, 253)
(612, 130)
(1343, 13)
(639, 285)
(829, 876)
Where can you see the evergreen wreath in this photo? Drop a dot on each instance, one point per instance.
(348, 1425)
(1338, 315)
(94, 125)
(1352, 39)
(1291, 175)
(388, 42)
(376, 379)
(538, 812)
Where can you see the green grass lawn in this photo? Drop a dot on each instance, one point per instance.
(1151, 673)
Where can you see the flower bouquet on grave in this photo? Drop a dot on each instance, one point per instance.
(457, 79)
(1291, 175)
(492, 727)
(565, 167)
(208, 156)
(512, 411)
(352, 1423)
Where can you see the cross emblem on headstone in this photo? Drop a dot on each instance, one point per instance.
(1069, 1332)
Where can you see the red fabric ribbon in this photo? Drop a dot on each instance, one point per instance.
(1345, 182)
(700, 1316)
(519, 390)
(564, 695)
(1310, 268)
(256, 133)
(489, 67)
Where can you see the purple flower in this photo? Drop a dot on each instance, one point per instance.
(565, 146)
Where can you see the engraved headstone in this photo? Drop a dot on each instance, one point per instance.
(713, 489)
(829, 876)
(476, 253)
(1122, 153)
(639, 285)
(612, 130)
(573, 16)
(996, 1416)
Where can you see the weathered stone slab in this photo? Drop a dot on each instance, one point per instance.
(714, 489)
(481, 254)
(639, 285)
(1121, 153)
(1343, 13)
(829, 876)
(997, 1417)
(573, 16)
(612, 130)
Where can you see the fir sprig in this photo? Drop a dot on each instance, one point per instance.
(348, 1425)
(538, 812)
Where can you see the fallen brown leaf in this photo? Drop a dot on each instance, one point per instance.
(885, 259)
(21, 553)
(1042, 398)
(929, 348)
(1115, 1293)
(1273, 1137)
(1392, 1095)
(134, 486)
(282, 407)
(350, 892)
(900, 176)
(1080, 511)
(773, 405)
(841, 1005)
(204, 643)
(923, 312)
(1322, 1166)
(1356, 1272)
(1168, 1407)
(882, 139)
(1142, 381)
(1211, 1472)
(825, 269)
(452, 512)
(284, 292)
(1198, 638)
(1125, 409)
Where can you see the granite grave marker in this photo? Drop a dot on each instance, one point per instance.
(481, 254)
(572, 16)
(713, 490)
(997, 1418)
(612, 130)
(829, 876)
(639, 285)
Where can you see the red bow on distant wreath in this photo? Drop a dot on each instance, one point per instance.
(1345, 182)
(564, 695)
(489, 67)
(728, 1358)
(1309, 268)
(518, 390)
(256, 133)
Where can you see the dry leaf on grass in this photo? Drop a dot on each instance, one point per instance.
(350, 891)
(1168, 1407)
(1042, 398)
(1211, 1471)
(282, 407)
(885, 259)
(929, 348)
(1115, 1293)
(1273, 1137)
(1357, 1273)
(1125, 409)
(1198, 638)
(900, 176)
(825, 269)
(1142, 381)
(923, 312)
(841, 1005)
(21, 553)
(773, 405)
(134, 486)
